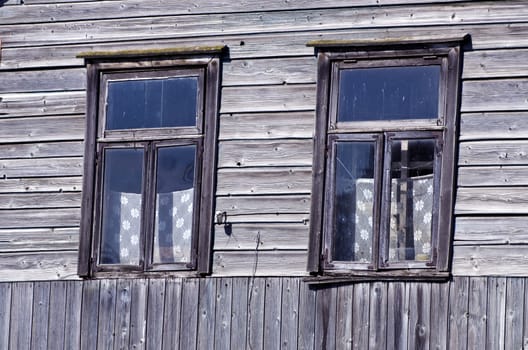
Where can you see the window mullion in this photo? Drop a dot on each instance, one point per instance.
(149, 195)
(383, 196)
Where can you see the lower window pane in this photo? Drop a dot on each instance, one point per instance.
(411, 201)
(121, 210)
(354, 201)
(174, 204)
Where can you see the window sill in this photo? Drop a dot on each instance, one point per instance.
(347, 277)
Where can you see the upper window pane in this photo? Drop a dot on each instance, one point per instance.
(388, 93)
(152, 103)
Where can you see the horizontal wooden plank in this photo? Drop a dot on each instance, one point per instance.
(270, 218)
(280, 236)
(246, 45)
(33, 2)
(266, 125)
(501, 125)
(489, 260)
(40, 104)
(491, 230)
(260, 263)
(42, 239)
(42, 150)
(40, 200)
(491, 200)
(34, 129)
(257, 205)
(297, 70)
(279, 98)
(40, 218)
(49, 11)
(259, 22)
(495, 64)
(45, 184)
(38, 266)
(504, 152)
(41, 167)
(263, 181)
(494, 95)
(265, 153)
(475, 176)
(43, 80)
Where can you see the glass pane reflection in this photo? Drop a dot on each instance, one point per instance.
(174, 204)
(354, 198)
(121, 209)
(152, 103)
(411, 201)
(388, 93)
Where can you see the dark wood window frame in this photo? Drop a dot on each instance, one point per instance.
(200, 62)
(332, 56)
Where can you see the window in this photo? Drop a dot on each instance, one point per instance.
(384, 158)
(149, 161)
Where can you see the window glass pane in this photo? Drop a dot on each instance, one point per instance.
(388, 93)
(174, 204)
(121, 211)
(411, 201)
(152, 103)
(354, 198)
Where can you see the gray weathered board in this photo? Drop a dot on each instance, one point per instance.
(485, 313)
(266, 123)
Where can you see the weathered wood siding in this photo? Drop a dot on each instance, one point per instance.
(264, 313)
(266, 121)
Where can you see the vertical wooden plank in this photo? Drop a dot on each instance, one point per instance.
(439, 316)
(39, 327)
(57, 315)
(122, 314)
(5, 314)
(325, 316)
(171, 317)
(525, 320)
(21, 315)
(378, 316)
(138, 313)
(345, 298)
(155, 307)
(397, 316)
(222, 333)
(189, 313)
(306, 338)
(206, 314)
(514, 313)
(106, 323)
(239, 312)
(89, 315)
(458, 310)
(72, 322)
(419, 316)
(478, 293)
(255, 323)
(272, 313)
(496, 313)
(289, 313)
(360, 322)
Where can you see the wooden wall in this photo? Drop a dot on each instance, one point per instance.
(264, 313)
(266, 121)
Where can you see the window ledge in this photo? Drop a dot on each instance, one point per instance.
(390, 41)
(368, 276)
(137, 53)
